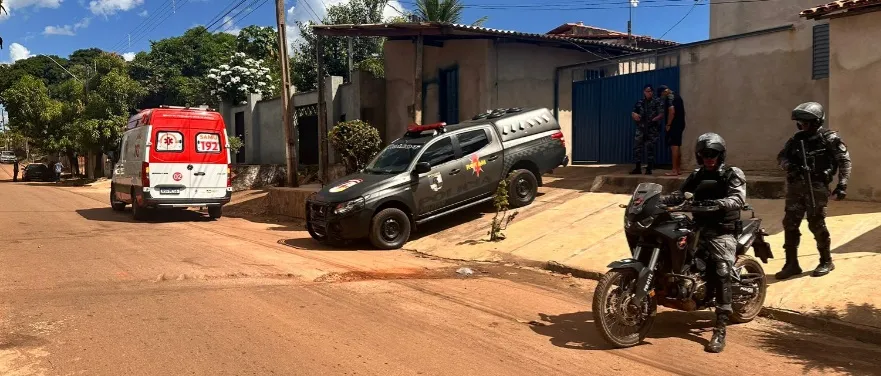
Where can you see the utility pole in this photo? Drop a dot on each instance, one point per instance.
(322, 113)
(633, 4)
(287, 100)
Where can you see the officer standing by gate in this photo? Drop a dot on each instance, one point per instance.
(647, 113)
(811, 159)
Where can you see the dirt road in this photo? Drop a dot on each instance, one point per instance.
(86, 290)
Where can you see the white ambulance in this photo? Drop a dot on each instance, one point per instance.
(172, 157)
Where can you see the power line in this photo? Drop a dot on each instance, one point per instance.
(680, 20)
(156, 13)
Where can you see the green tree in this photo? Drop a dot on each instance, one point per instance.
(446, 11)
(261, 43)
(33, 114)
(303, 64)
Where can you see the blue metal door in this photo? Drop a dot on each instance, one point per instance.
(601, 124)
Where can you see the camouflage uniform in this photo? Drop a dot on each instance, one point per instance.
(826, 153)
(647, 131)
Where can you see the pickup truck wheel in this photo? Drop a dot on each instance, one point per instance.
(522, 188)
(390, 229)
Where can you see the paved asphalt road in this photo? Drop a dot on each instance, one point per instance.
(87, 291)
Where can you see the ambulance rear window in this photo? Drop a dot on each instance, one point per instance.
(169, 141)
(208, 143)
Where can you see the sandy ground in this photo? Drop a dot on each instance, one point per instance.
(87, 291)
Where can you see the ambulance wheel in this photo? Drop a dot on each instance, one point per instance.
(114, 202)
(389, 229)
(522, 188)
(215, 212)
(138, 212)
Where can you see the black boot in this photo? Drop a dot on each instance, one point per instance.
(637, 170)
(717, 343)
(790, 245)
(648, 169)
(826, 264)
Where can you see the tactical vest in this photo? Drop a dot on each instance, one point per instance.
(821, 161)
(713, 185)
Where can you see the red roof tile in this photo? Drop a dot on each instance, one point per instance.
(838, 6)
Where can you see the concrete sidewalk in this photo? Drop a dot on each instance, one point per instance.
(584, 231)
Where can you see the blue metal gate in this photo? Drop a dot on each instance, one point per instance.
(602, 129)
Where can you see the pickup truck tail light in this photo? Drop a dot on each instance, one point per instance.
(145, 174)
(559, 136)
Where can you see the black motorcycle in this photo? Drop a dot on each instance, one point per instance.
(668, 268)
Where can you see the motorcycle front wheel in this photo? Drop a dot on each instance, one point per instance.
(620, 320)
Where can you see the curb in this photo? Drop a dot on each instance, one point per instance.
(862, 333)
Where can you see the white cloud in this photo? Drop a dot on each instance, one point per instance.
(228, 26)
(145, 13)
(128, 56)
(18, 52)
(67, 29)
(14, 5)
(59, 30)
(110, 7)
(306, 10)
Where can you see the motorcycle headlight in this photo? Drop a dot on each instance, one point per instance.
(646, 222)
(349, 206)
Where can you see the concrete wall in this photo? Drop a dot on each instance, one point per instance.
(745, 89)
(491, 75)
(268, 140)
(731, 18)
(854, 111)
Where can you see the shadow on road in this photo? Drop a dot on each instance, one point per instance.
(156, 216)
(309, 244)
(577, 331)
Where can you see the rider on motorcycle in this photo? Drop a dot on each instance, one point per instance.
(714, 182)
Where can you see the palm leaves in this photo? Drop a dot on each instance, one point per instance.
(445, 11)
(2, 8)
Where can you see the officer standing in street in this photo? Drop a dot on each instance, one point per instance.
(647, 113)
(15, 169)
(811, 159)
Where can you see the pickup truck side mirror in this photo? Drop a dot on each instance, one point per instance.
(421, 168)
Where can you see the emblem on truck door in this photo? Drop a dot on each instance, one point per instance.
(476, 165)
(436, 182)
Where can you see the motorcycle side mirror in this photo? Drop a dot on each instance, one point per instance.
(421, 168)
(689, 195)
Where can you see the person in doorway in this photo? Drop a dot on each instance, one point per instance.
(826, 153)
(675, 111)
(15, 169)
(647, 113)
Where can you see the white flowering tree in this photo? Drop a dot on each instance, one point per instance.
(242, 75)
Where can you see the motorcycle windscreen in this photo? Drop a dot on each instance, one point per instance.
(643, 193)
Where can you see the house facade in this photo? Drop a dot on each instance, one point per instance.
(446, 72)
(853, 60)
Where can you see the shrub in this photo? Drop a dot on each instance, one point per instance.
(500, 221)
(357, 142)
(235, 143)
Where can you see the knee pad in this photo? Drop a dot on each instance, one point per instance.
(722, 269)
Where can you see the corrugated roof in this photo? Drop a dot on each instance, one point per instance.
(605, 34)
(839, 6)
(454, 30)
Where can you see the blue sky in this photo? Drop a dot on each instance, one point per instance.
(60, 27)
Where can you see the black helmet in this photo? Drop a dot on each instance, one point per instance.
(708, 142)
(809, 112)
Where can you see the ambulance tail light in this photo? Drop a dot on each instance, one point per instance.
(145, 174)
(228, 175)
(559, 136)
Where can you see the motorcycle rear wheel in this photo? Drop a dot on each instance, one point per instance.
(614, 316)
(744, 313)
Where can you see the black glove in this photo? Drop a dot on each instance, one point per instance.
(840, 191)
